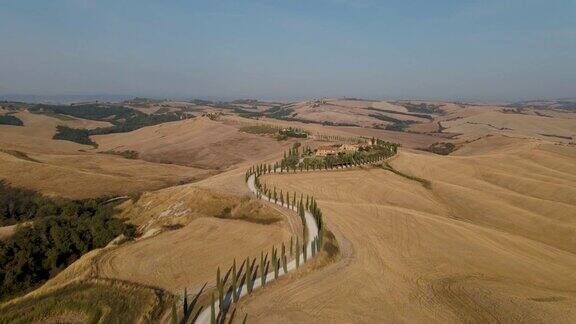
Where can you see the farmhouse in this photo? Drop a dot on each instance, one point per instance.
(348, 148)
(326, 150)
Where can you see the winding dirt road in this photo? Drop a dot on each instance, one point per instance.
(312, 228)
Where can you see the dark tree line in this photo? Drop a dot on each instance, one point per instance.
(58, 233)
(10, 120)
(20, 205)
(77, 135)
(123, 119)
(88, 111)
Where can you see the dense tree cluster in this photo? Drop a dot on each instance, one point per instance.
(19, 205)
(88, 111)
(442, 148)
(395, 124)
(58, 232)
(423, 107)
(10, 120)
(77, 135)
(280, 133)
(123, 119)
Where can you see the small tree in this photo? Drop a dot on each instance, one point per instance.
(220, 286)
(297, 252)
(213, 311)
(185, 301)
(284, 260)
(174, 314)
(248, 276)
(234, 282)
(262, 270)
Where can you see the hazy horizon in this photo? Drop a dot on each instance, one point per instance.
(455, 50)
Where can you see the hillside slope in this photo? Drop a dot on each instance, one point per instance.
(492, 241)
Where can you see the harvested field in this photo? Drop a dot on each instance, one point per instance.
(492, 241)
(197, 142)
(189, 256)
(86, 175)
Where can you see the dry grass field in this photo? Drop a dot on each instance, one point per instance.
(198, 142)
(485, 234)
(492, 241)
(30, 158)
(188, 232)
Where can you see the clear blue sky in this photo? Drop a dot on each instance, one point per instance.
(454, 49)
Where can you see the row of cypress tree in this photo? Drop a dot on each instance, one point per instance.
(229, 290)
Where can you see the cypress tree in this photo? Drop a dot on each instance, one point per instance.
(285, 262)
(234, 282)
(185, 301)
(313, 247)
(276, 261)
(220, 286)
(174, 314)
(213, 311)
(297, 252)
(248, 276)
(262, 270)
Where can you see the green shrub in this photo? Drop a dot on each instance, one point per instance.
(10, 120)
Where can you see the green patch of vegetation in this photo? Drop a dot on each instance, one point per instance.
(88, 111)
(330, 244)
(425, 183)
(13, 105)
(260, 129)
(278, 132)
(93, 301)
(250, 211)
(10, 120)
(395, 124)
(201, 102)
(423, 108)
(61, 232)
(134, 123)
(123, 120)
(284, 133)
(279, 112)
(127, 154)
(399, 126)
(77, 135)
(143, 102)
(401, 113)
(246, 113)
(441, 148)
